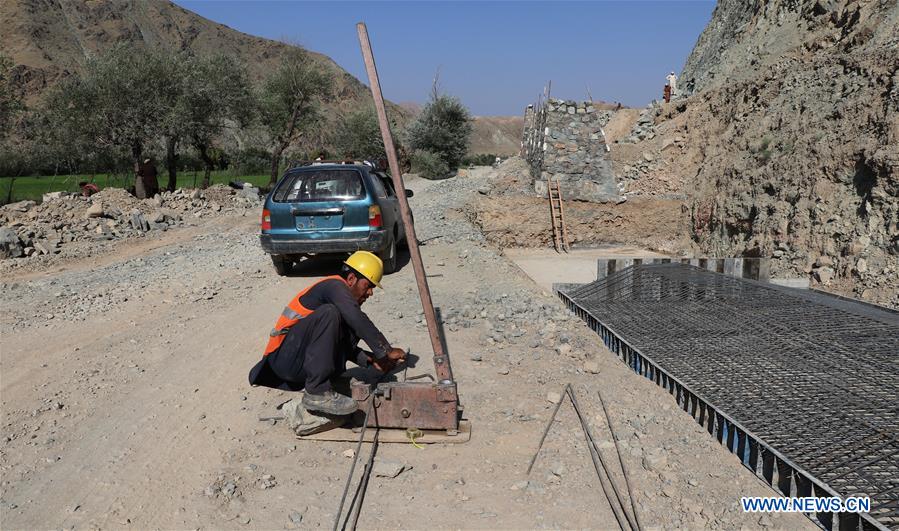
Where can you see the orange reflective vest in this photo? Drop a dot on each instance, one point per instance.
(293, 312)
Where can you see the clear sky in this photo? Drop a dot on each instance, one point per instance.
(495, 56)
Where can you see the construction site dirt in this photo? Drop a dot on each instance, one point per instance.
(125, 401)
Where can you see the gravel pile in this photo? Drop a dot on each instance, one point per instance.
(506, 313)
(440, 216)
(163, 278)
(32, 229)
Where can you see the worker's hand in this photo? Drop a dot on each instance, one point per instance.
(394, 357)
(398, 355)
(384, 365)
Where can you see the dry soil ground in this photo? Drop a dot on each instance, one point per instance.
(125, 402)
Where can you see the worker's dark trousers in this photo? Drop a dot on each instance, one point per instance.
(313, 352)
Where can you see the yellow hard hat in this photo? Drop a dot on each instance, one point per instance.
(368, 265)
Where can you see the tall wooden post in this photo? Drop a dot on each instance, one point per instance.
(441, 358)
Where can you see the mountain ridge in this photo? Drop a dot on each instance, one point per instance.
(49, 40)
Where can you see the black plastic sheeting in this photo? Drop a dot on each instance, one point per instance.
(802, 386)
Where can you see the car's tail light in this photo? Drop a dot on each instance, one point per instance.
(266, 219)
(374, 217)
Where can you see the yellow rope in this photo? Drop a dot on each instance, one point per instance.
(414, 433)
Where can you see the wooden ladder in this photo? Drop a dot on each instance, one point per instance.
(557, 215)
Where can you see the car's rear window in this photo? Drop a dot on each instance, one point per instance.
(321, 185)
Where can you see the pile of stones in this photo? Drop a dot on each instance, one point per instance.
(33, 229)
(644, 129)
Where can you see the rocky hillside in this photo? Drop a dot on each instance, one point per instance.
(49, 39)
(789, 143)
(500, 135)
(746, 37)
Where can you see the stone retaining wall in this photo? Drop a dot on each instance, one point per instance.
(564, 140)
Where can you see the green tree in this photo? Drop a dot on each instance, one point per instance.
(443, 127)
(10, 101)
(120, 101)
(358, 137)
(174, 119)
(289, 102)
(216, 93)
(11, 160)
(66, 142)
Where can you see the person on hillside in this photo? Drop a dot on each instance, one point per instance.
(317, 333)
(671, 78)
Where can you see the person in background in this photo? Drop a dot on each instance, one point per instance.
(146, 174)
(672, 82)
(88, 189)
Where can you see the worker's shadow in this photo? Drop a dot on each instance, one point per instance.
(316, 266)
(322, 266)
(372, 376)
(403, 257)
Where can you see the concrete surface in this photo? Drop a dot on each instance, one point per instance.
(546, 266)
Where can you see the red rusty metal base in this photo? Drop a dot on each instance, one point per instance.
(422, 405)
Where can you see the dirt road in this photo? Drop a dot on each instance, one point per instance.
(125, 402)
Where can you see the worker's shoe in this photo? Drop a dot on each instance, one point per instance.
(329, 402)
(304, 422)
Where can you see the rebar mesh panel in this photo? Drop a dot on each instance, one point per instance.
(814, 377)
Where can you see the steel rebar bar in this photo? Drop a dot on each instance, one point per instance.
(624, 471)
(549, 424)
(601, 469)
(349, 479)
(810, 379)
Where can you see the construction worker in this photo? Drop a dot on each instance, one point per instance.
(318, 332)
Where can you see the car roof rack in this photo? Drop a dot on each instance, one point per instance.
(377, 165)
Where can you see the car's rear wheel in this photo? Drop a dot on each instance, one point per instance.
(388, 255)
(282, 264)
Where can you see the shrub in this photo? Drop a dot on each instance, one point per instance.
(358, 137)
(443, 128)
(429, 165)
(483, 159)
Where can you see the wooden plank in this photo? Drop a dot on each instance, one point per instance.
(562, 219)
(394, 435)
(442, 368)
(552, 213)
